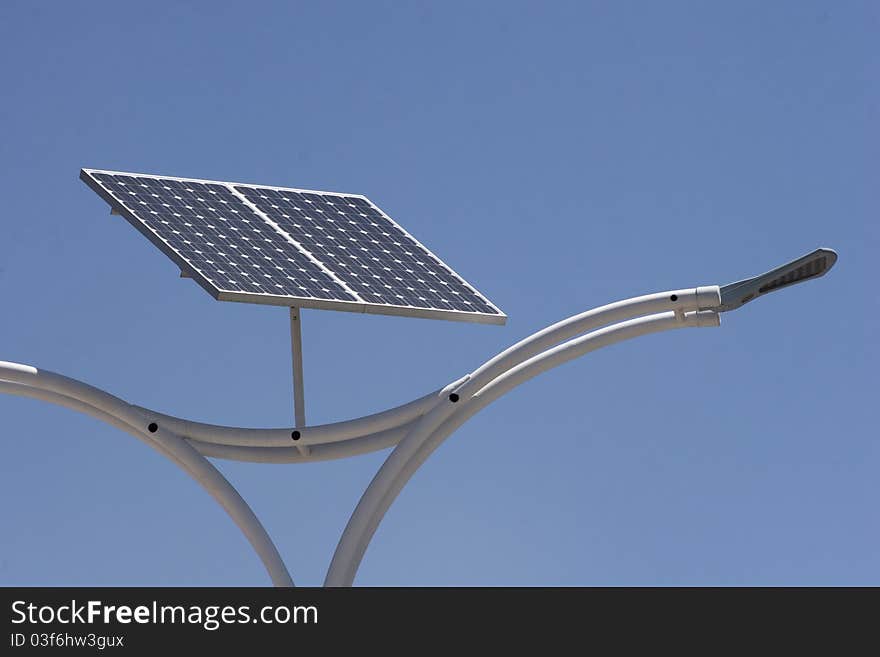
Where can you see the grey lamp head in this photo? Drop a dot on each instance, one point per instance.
(812, 265)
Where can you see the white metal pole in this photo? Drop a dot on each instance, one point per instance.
(296, 350)
(351, 546)
(299, 393)
(394, 473)
(313, 435)
(416, 428)
(178, 450)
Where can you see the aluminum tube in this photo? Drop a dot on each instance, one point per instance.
(677, 301)
(296, 353)
(228, 497)
(329, 451)
(325, 452)
(317, 435)
(684, 301)
(21, 390)
(372, 507)
(169, 444)
(46, 380)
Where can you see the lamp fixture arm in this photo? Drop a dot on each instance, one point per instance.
(446, 416)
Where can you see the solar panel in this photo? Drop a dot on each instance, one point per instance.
(291, 247)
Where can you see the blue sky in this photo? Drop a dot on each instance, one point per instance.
(559, 156)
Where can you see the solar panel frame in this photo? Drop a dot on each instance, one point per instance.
(220, 294)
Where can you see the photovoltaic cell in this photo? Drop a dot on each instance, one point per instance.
(291, 247)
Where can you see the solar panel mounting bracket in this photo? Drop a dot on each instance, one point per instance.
(296, 358)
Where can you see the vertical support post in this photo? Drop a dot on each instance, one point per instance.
(299, 403)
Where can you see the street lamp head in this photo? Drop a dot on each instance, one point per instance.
(812, 265)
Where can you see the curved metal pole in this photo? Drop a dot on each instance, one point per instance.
(417, 428)
(392, 476)
(689, 299)
(409, 426)
(279, 455)
(21, 390)
(386, 428)
(684, 300)
(680, 301)
(517, 376)
(316, 435)
(342, 449)
(676, 301)
(83, 396)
